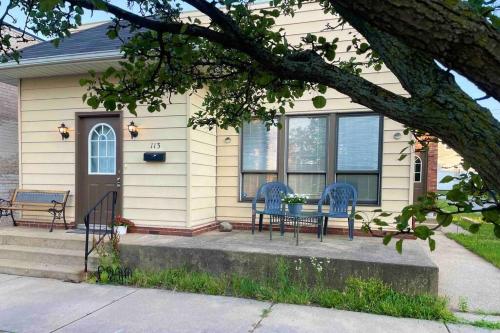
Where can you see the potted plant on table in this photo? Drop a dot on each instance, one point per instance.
(295, 202)
(121, 225)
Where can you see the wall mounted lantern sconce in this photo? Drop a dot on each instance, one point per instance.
(63, 130)
(397, 136)
(132, 129)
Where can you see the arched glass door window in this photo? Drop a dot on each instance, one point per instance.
(102, 150)
(418, 170)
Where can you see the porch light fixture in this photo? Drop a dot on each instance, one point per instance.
(227, 140)
(397, 136)
(63, 130)
(132, 129)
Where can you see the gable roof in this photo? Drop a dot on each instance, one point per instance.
(86, 49)
(91, 40)
(13, 29)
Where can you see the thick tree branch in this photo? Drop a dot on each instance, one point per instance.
(299, 66)
(446, 30)
(193, 30)
(446, 109)
(445, 106)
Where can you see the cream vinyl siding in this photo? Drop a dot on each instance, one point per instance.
(154, 194)
(203, 168)
(396, 187)
(199, 182)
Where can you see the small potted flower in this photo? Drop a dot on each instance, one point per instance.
(121, 225)
(295, 202)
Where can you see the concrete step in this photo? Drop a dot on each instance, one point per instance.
(43, 241)
(44, 270)
(46, 255)
(38, 253)
(96, 227)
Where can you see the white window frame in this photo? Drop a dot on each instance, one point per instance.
(417, 158)
(89, 149)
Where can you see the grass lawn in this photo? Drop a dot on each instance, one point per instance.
(483, 243)
(372, 296)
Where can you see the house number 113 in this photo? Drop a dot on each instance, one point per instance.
(155, 145)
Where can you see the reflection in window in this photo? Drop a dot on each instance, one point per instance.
(252, 182)
(358, 149)
(358, 143)
(366, 185)
(306, 164)
(310, 154)
(260, 147)
(259, 157)
(102, 150)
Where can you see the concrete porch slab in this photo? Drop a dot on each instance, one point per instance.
(256, 256)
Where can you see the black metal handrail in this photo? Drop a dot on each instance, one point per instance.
(102, 218)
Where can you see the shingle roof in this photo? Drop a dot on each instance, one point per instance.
(11, 27)
(90, 40)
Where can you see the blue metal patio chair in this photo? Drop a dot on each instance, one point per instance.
(272, 193)
(339, 195)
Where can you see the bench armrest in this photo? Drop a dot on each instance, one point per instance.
(57, 203)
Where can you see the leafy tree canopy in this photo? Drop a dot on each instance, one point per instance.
(251, 69)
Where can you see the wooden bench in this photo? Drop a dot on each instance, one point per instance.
(52, 202)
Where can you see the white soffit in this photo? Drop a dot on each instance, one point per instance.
(11, 72)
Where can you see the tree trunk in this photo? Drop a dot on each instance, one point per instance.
(444, 109)
(446, 30)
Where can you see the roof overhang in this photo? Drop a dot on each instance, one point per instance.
(79, 63)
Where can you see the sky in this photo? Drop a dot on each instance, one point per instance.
(469, 87)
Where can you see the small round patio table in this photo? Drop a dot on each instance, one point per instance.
(296, 221)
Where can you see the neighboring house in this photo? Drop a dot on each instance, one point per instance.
(449, 163)
(425, 169)
(208, 176)
(9, 163)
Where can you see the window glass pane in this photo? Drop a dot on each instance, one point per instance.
(102, 148)
(111, 148)
(307, 144)
(93, 148)
(366, 185)
(358, 143)
(260, 147)
(252, 182)
(93, 164)
(308, 184)
(106, 165)
(110, 135)
(417, 177)
(102, 152)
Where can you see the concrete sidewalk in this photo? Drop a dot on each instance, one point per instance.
(45, 305)
(463, 274)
